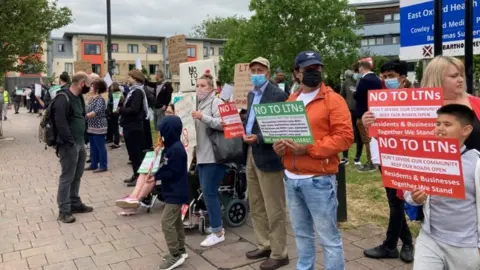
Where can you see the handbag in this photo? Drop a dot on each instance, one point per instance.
(225, 150)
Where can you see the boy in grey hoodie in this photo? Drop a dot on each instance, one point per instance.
(449, 238)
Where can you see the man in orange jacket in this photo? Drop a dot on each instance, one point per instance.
(310, 183)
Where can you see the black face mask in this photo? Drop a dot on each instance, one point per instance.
(312, 78)
(85, 89)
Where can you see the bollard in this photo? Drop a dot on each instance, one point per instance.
(341, 193)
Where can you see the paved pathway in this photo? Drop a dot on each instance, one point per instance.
(31, 238)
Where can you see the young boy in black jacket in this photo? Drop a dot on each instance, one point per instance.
(173, 174)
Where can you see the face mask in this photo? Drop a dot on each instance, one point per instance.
(357, 76)
(392, 83)
(201, 95)
(85, 89)
(312, 78)
(257, 79)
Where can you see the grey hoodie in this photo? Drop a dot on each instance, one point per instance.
(349, 87)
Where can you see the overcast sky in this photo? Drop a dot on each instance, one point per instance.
(150, 17)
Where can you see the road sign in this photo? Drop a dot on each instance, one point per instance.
(417, 31)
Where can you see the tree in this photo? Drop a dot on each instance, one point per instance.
(280, 29)
(218, 27)
(25, 25)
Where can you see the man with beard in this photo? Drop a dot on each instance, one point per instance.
(163, 96)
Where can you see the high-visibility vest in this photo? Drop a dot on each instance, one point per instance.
(5, 96)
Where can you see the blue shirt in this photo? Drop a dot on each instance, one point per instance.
(257, 96)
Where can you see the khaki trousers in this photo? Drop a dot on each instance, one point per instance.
(365, 139)
(266, 195)
(172, 227)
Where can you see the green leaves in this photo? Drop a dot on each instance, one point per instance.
(218, 27)
(27, 23)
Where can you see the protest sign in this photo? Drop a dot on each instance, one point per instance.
(53, 90)
(116, 99)
(191, 71)
(177, 52)
(427, 163)
(138, 64)
(184, 109)
(286, 120)
(243, 85)
(108, 79)
(84, 66)
(18, 92)
(150, 163)
(233, 126)
(176, 98)
(281, 86)
(38, 90)
(227, 92)
(404, 111)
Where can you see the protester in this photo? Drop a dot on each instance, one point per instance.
(64, 80)
(97, 127)
(395, 74)
(132, 116)
(310, 169)
(174, 176)
(280, 79)
(5, 98)
(69, 121)
(210, 173)
(163, 96)
(347, 92)
(26, 98)
(449, 236)
(265, 175)
(17, 99)
(368, 81)
(112, 116)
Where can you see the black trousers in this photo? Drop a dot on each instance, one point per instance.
(397, 224)
(357, 140)
(135, 142)
(113, 132)
(147, 130)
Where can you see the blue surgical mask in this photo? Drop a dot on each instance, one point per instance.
(357, 76)
(258, 79)
(392, 83)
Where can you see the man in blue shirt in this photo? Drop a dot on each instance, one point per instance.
(266, 190)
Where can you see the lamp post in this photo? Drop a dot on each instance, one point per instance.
(147, 49)
(109, 40)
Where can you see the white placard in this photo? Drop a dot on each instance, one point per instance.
(191, 71)
(281, 86)
(108, 79)
(138, 64)
(38, 90)
(184, 109)
(227, 92)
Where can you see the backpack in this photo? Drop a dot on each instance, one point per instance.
(46, 131)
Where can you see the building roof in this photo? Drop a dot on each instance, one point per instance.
(368, 4)
(71, 34)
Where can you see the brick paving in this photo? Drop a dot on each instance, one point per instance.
(31, 238)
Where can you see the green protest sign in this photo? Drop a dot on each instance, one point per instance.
(286, 120)
(116, 99)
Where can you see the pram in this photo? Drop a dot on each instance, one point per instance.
(232, 192)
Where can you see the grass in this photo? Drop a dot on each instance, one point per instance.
(366, 198)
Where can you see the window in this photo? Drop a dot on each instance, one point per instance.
(191, 52)
(153, 49)
(396, 17)
(387, 17)
(220, 51)
(115, 48)
(387, 40)
(212, 51)
(116, 69)
(69, 68)
(371, 41)
(97, 68)
(205, 51)
(379, 41)
(364, 42)
(132, 48)
(396, 40)
(152, 69)
(61, 47)
(92, 49)
(131, 66)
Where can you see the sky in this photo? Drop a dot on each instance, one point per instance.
(150, 17)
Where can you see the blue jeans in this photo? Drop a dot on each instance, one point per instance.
(98, 152)
(210, 176)
(312, 204)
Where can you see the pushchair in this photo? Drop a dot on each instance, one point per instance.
(232, 194)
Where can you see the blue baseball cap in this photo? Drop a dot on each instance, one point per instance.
(308, 58)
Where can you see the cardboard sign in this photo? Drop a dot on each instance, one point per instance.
(285, 120)
(233, 127)
(432, 164)
(227, 92)
(184, 109)
(38, 90)
(108, 79)
(177, 52)
(150, 163)
(84, 66)
(191, 71)
(243, 85)
(404, 111)
(138, 64)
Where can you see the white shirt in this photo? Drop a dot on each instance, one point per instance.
(306, 98)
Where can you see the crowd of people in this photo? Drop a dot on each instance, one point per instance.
(283, 177)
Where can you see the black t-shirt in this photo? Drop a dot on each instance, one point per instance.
(473, 141)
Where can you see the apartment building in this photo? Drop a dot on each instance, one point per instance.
(126, 49)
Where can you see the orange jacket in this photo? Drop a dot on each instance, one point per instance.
(332, 131)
